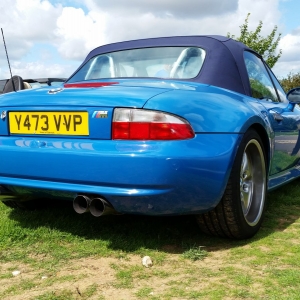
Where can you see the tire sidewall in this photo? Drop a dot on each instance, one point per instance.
(245, 229)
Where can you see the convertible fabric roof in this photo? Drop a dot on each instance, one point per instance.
(223, 66)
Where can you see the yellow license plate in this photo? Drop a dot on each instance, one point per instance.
(57, 123)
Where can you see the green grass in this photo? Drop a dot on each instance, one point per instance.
(84, 257)
(195, 253)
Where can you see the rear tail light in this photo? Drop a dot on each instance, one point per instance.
(141, 124)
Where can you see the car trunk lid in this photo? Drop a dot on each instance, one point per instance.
(81, 111)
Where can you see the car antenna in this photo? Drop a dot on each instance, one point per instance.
(8, 61)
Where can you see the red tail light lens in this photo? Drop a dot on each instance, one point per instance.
(141, 124)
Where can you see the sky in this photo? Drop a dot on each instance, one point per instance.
(50, 38)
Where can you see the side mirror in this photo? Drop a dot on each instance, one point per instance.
(294, 95)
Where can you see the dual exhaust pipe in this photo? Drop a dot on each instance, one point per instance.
(96, 206)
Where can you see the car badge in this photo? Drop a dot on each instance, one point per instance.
(3, 115)
(100, 114)
(55, 91)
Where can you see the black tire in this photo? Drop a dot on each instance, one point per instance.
(241, 210)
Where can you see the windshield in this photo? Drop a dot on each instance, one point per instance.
(160, 62)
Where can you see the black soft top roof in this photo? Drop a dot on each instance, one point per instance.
(224, 63)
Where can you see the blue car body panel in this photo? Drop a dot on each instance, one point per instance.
(159, 170)
(210, 108)
(143, 176)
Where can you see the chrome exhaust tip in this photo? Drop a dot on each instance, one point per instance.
(81, 204)
(100, 207)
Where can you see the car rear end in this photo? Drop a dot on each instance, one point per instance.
(101, 136)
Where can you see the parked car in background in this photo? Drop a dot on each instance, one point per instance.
(22, 84)
(2, 84)
(193, 125)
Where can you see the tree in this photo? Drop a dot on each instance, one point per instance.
(291, 81)
(265, 46)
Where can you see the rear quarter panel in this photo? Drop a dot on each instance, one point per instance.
(210, 109)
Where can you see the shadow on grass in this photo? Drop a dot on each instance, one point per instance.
(129, 233)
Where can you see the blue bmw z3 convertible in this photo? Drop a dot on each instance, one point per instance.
(193, 125)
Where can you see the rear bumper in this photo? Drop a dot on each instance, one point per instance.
(159, 178)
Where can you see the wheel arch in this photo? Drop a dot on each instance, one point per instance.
(261, 131)
(265, 138)
(229, 218)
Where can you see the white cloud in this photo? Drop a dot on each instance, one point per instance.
(27, 22)
(291, 45)
(191, 9)
(74, 31)
(78, 33)
(290, 59)
(38, 70)
(132, 20)
(283, 68)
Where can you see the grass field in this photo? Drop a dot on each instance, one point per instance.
(63, 255)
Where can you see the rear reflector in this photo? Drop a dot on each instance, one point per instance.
(141, 124)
